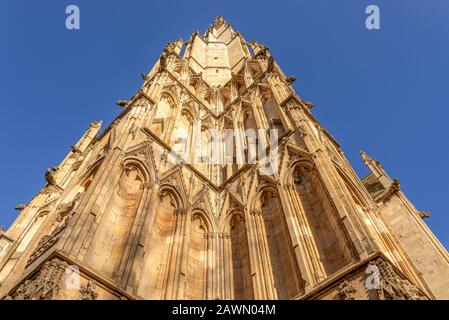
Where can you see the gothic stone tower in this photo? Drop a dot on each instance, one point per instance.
(139, 211)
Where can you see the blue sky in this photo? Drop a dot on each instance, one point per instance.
(383, 91)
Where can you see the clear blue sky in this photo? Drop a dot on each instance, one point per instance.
(383, 91)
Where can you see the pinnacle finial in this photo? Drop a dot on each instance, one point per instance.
(367, 159)
(218, 22)
(363, 155)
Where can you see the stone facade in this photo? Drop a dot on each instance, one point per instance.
(139, 211)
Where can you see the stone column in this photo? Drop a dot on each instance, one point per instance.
(257, 273)
(173, 280)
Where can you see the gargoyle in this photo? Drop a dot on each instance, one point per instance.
(309, 104)
(20, 207)
(424, 214)
(290, 79)
(122, 103)
(49, 176)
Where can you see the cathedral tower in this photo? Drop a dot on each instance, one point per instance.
(217, 182)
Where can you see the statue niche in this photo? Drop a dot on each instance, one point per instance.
(312, 199)
(285, 272)
(163, 116)
(273, 117)
(156, 266)
(197, 260)
(182, 137)
(241, 268)
(118, 220)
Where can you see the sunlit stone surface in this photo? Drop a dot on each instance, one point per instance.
(163, 204)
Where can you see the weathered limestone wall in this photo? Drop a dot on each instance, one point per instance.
(426, 253)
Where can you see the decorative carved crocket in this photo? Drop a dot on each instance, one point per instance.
(394, 287)
(44, 286)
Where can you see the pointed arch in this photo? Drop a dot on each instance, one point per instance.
(138, 163)
(159, 246)
(175, 192)
(164, 112)
(235, 231)
(117, 221)
(182, 135)
(311, 200)
(198, 256)
(284, 279)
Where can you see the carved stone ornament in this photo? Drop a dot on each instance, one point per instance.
(346, 291)
(122, 103)
(393, 287)
(219, 21)
(88, 291)
(45, 286)
(49, 176)
(424, 214)
(20, 207)
(290, 79)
